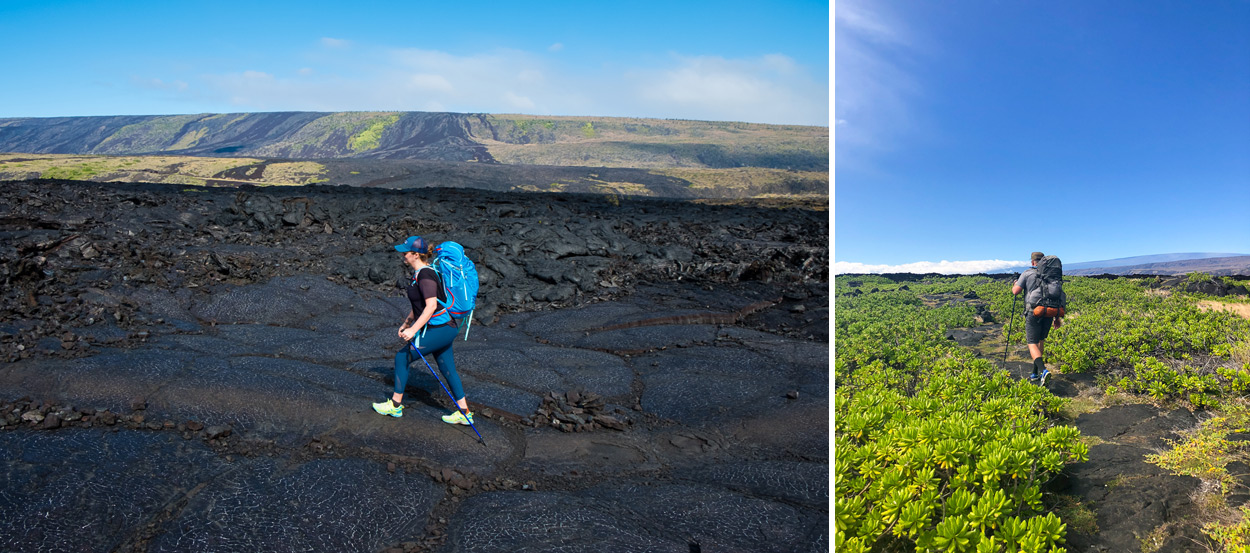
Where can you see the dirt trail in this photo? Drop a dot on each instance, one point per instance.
(1115, 501)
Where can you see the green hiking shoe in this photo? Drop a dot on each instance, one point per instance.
(458, 418)
(388, 408)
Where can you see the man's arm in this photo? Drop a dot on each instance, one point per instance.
(1020, 282)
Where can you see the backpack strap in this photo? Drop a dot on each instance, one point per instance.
(439, 291)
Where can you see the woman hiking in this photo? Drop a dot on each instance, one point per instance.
(427, 327)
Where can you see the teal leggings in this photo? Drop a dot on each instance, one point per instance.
(437, 344)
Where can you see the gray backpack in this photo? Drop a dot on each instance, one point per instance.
(1049, 298)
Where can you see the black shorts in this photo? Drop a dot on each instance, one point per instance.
(1036, 329)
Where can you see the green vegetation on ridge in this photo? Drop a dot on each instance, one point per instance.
(370, 137)
(154, 135)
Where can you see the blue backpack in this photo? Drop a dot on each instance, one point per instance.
(459, 278)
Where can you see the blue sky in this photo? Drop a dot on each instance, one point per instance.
(724, 60)
(975, 132)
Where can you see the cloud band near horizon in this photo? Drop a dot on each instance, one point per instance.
(349, 76)
(920, 267)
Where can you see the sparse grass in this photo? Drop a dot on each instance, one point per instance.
(745, 178)
(1091, 440)
(1232, 534)
(1241, 309)
(1205, 452)
(1078, 516)
(1150, 543)
(651, 143)
(624, 188)
(553, 187)
(164, 169)
(204, 167)
(1210, 501)
(1121, 480)
(1240, 353)
(1078, 406)
(1116, 397)
(295, 172)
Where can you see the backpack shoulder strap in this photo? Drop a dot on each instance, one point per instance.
(440, 293)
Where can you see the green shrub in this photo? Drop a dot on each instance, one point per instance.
(935, 449)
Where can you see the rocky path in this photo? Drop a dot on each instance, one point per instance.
(191, 369)
(1115, 501)
(241, 421)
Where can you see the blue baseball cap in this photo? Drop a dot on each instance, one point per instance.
(413, 244)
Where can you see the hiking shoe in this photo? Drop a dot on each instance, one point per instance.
(1034, 377)
(1045, 377)
(458, 418)
(388, 408)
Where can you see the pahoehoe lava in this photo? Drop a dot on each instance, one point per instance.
(192, 368)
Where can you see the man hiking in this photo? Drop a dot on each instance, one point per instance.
(1037, 328)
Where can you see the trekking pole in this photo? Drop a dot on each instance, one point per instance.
(453, 400)
(1010, 320)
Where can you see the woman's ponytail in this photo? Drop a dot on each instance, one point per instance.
(428, 254)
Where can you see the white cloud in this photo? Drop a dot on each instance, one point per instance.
(766, 89)
(874, 26)
(431, 83)
(771, 88)
(335, 42)
(555, 47)
(518, 102)
(942, 267)
(875, 91)
(529, 76)
(158, 84)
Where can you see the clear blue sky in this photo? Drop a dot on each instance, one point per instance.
(723, 60)
(974, 131)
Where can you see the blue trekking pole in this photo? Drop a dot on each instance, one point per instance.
(453, 400)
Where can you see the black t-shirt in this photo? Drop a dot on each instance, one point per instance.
(426, 286)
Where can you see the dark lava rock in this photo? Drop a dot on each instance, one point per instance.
(1061, 386)
(608, 421)
(964, 337)
(271, 314)
(52, 421)
(1130, 498)
(1137, 423)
